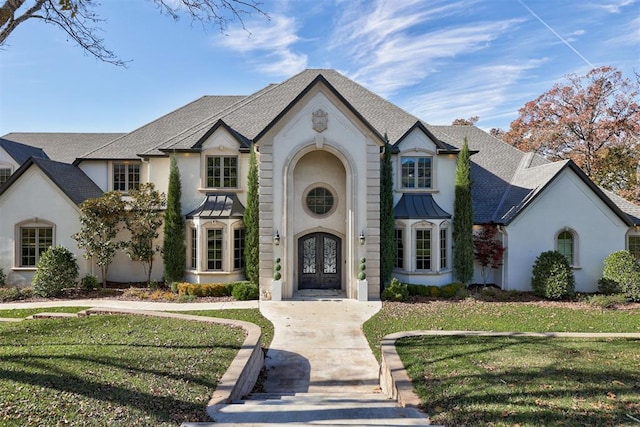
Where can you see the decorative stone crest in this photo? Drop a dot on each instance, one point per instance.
(319, 119)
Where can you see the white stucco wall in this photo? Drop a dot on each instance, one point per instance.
(567, 202)
(36, 199)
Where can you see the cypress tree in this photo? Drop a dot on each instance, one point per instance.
(174, 249)
(251, 223)
(463, 219)
(388, 251)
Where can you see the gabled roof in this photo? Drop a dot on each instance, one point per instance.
(21, 152)
(62, 147)
(69, 178)
(415, 206)
(251, 116)
(218, 205)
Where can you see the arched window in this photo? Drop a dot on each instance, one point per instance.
(566, 245)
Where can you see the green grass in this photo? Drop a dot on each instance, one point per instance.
(21, 313)
(507, 381)
(252, 315)
(472, 315)
(111, 370)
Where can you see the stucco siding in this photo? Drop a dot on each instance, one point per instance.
(567, 203)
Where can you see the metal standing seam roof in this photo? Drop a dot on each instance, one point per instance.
(419, 206)
(218, 205)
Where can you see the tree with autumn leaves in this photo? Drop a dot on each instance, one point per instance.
(487, 250)
(593, 120)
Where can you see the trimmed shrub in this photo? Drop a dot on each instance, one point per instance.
(10, 294)
(3, 278)
(245, 292)
(607, 301)
(89, 282)
(608, 287)
(207, 289)
(552, 277)
(396, 291)
(57, 269)
(621, 268)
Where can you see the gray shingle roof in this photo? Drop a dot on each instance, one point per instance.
(21, 152)
(62, 147)
(69, 178)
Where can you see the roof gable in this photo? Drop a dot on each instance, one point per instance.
(61, 146)
(73, 182)
(21, 152)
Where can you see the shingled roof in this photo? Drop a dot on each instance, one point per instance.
(69, 178)
(62, 147)
(21, 152)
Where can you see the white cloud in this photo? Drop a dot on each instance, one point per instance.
(391, 46)
(269, 45)
(614, 6)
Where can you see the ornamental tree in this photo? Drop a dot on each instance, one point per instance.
(463, 219)
(100, 222)
(388, 250)
(487, 250)
(174, 248)
(143, 220)
(252, 223)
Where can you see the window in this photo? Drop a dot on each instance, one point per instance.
(5, 173)
(320, 201)
(416, 172)
(126, 177)
(423, 249)
(399, 248)
(564, 245)
(214, 250)
(194, 248)
(222, 172)
(443, 248)
(33, 242)
(238, 248)
(634, 246)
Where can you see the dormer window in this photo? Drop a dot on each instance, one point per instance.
(416, 171)
(222, 172)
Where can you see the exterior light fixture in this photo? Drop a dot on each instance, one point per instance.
(362, 238)
(276, 238)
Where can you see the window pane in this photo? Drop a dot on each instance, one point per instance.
(214, 250)
(33, 242)
(320, 201)
(399, 249)
(565, 245)
(5, 173)
(443, 248)
(238, 248)
(424, 172)
(423, 249)
(209, 171)
(408, 172)
(134, 177)
(194, 248)
(230, 172)
(119, 177)
(634, 246)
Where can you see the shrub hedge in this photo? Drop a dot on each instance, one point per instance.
(451, 290)
(552, 277)
(622, 269)
(211, 289)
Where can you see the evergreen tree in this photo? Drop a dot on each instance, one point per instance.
(388, 251)
(174, 250)
(251, 223)
(463, 219)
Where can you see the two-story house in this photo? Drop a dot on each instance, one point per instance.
(319, 138)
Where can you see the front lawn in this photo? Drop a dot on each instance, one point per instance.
(111, 370)
(21, 313)
(252, 315)
(507, 381)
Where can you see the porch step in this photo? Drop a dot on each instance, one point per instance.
(327, 409)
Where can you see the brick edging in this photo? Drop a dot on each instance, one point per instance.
(242, 374)
(397, 385)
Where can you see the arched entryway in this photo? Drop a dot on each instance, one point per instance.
(319, 261)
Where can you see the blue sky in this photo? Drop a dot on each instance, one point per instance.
(439, 60)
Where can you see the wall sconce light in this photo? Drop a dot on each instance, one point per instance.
(276, 238)
(362, 238)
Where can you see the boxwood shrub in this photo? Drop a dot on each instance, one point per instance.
(552, 277)
(208, 289)
(245, 291)
(622, 269)
(57, 269)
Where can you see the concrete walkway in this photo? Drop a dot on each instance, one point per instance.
(319, 370)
